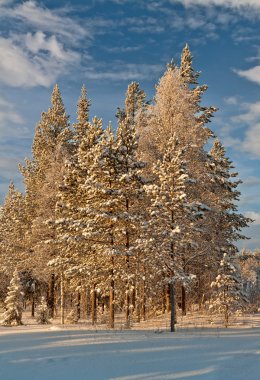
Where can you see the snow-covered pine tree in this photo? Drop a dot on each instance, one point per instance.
(133, 115)
(96, 217)
(43, 312)
(13, 303)
(177, 109)
(135, 103)
(73, 246)
(42, 176)
(228, 222)
(228, 295)
(169, 216)
(131, 215)
(14, 227)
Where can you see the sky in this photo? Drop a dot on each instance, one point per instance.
(106, 44)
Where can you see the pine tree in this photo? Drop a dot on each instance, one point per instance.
(42, 176)
(228, 221)
(228, 295)
(13, 303)
(134, 105)
(169, 217)
(130, 218)
(14, 226)
(73, 246)
(43, 312)
(177, 110)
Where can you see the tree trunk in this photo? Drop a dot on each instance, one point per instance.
(183, 300)
(132, 301)
(94, 305)
(168, 299)
(173, 316)
(163, 301)
(112, 304)
(51, 296)
(143, 311)
(78, 304)
(62, 311)
(33, 305)
(137, 304)
(112, 296)
(88, 302)
(127, 304)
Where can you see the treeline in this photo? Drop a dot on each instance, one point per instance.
(135, 219)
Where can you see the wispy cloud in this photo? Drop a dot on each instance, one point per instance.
(19, 68)
(251, 181)
(252, 74)
(8, 113)
(45, 51)
(55, 21)
(250, 121)
(224, 3)
(124, 49)
(231, 100)
(125, 72)
(253, 215)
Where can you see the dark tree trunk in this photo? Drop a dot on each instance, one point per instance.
(168, 299)
(94, 305)
(78, 305)
(173, 316)
(163, 301)
(112, 304)
(143, 312)
(183, 300)
(51, 295)
(137, 304)
(33, 305)
(127, 304)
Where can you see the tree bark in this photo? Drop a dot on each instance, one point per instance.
(94, 305)
(51, 296)
(163, 301)
(168, 299)
(183, 300)
(62, 311)
(33, 305)
(143, 311)
(78, 304)
(112, 301)
(173, 316)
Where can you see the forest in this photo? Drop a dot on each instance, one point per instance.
(137, 220)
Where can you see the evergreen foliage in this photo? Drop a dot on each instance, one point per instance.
(43, 312)
(13, 303)
(228, 295)
(123, 219)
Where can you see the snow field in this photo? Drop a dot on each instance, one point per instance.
(66, 353)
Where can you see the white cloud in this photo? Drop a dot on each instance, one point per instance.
(251, 114)
(251, 181)
(51, 21)
(8, 113)
(231, 100)
(126, 72)
(252, 74)
(20, 68)
(17, 69)
(253, 215)
(225, 3)
(251, 141)
(40, 42)
(12, 124)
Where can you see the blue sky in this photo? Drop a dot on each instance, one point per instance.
(106, 44)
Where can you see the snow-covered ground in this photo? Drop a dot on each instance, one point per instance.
(77, 353)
